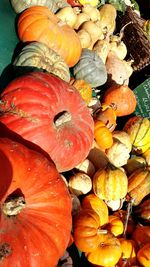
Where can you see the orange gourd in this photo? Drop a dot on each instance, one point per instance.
(106, 114)
(143, 255)
(115, 225)
(108, 252)
(38, 23)
(87, 233)
(129, 251)
(102, 135)
(122, 214)
(122, 97)
(91, 201)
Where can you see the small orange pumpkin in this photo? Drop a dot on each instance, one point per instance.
(38, 23)
(87, 233)
(122, 214)
(115, 225)
(102, 135)
(93, 202)
(108, 252)
(122, 97)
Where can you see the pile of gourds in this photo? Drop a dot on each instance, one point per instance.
(69, 175)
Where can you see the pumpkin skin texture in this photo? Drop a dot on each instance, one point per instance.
(35, 208)
(50, 113)
(38, 23)
(53, 5)
(118, 96)
(90, 68)
(36, 55)
(143, 255)
(138, 129)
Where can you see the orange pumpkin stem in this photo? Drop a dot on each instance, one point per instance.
(13, 205)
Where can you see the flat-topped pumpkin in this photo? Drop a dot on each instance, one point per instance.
(49, 112)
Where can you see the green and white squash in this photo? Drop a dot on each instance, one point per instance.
(36, 55)
(90, 68)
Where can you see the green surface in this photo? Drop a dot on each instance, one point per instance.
(8, 40)
(142, 93)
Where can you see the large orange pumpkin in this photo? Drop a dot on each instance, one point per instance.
(35, 208)
(38, 23)
(50, 113)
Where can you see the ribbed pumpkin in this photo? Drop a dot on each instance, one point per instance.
(110, 183)
(37, 55)
(115, 225)
(90, 68)
(86, 230)
(102, 135)
(38, 23)
(35, 210)
(139, 185)
(91, 201)
(138, 129)
(107, 253)
(53, 5)
(49, 112)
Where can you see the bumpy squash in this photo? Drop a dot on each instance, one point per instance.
(37, 55)
(110, 183)
(32, 219)
(49, 112)
(38, 23)
(90, 68)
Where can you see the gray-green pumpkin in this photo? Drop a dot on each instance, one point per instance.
(53, 5)
(90, 68)
(36, 55)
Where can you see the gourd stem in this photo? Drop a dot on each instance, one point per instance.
(102, 231)
(62, 118)
(13, 205)
(129, 210)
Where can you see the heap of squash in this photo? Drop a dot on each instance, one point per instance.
(69, 174)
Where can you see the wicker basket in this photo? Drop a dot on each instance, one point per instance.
(138, 44)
